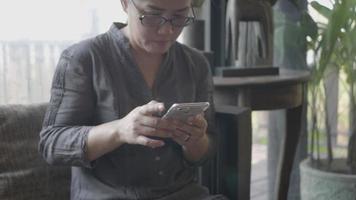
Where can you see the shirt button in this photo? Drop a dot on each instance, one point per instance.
(161, 173)
(157, 158)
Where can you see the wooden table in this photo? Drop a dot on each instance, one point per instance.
(283, 91)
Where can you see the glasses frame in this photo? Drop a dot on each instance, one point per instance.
(164, 20)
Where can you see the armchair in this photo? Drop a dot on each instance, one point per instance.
(24, 175)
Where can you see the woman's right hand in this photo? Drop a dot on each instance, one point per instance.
(141, 125)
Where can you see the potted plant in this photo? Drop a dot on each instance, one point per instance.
(334, 46)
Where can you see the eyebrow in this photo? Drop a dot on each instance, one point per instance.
(160, 9)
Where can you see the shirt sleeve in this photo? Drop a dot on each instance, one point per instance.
(69, 114)
(204, 92)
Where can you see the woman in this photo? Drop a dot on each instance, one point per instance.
(106, 96)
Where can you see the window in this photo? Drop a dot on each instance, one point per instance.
(34, 33)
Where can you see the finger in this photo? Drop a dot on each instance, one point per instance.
(166, 124)
(195, 131)
(185, 127)
(149, 121)
(152, 102)
(145, 141)
(183, 132)
(198, 121)
(178, 138)
(178, 134)
(152, 107)
(149, 131)
(156, 123)
(151, 126)
(201, 115)
(182, 139)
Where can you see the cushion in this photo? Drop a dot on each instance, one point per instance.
(23, 172)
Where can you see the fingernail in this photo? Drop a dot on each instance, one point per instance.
(177, 132)
(159, 144)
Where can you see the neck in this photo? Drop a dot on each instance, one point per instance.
(141, 54)
(146, 56)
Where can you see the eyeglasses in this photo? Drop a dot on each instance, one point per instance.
(153, 20)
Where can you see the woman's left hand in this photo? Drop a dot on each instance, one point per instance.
(190, 132)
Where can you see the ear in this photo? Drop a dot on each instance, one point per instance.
(124, 5)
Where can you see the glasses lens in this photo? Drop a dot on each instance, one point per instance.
(182, 21)
(152, 20)
(156, 20)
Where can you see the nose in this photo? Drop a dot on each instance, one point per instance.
(166, 29)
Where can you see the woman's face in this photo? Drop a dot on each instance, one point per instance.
(155, 39)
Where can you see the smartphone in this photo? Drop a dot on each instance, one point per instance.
(182, 111)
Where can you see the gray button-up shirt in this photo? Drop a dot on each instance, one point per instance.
(97, 81)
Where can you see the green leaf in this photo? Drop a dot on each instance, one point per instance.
(309, 26)
(331, 35)
(323, 10)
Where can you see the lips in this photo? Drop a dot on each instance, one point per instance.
(162, 43)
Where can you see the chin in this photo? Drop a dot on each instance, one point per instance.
(158, 49)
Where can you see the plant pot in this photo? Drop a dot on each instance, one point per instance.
(319, 184)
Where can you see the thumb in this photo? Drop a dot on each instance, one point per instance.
(145, 141)
(153, 107)
(152, 102)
